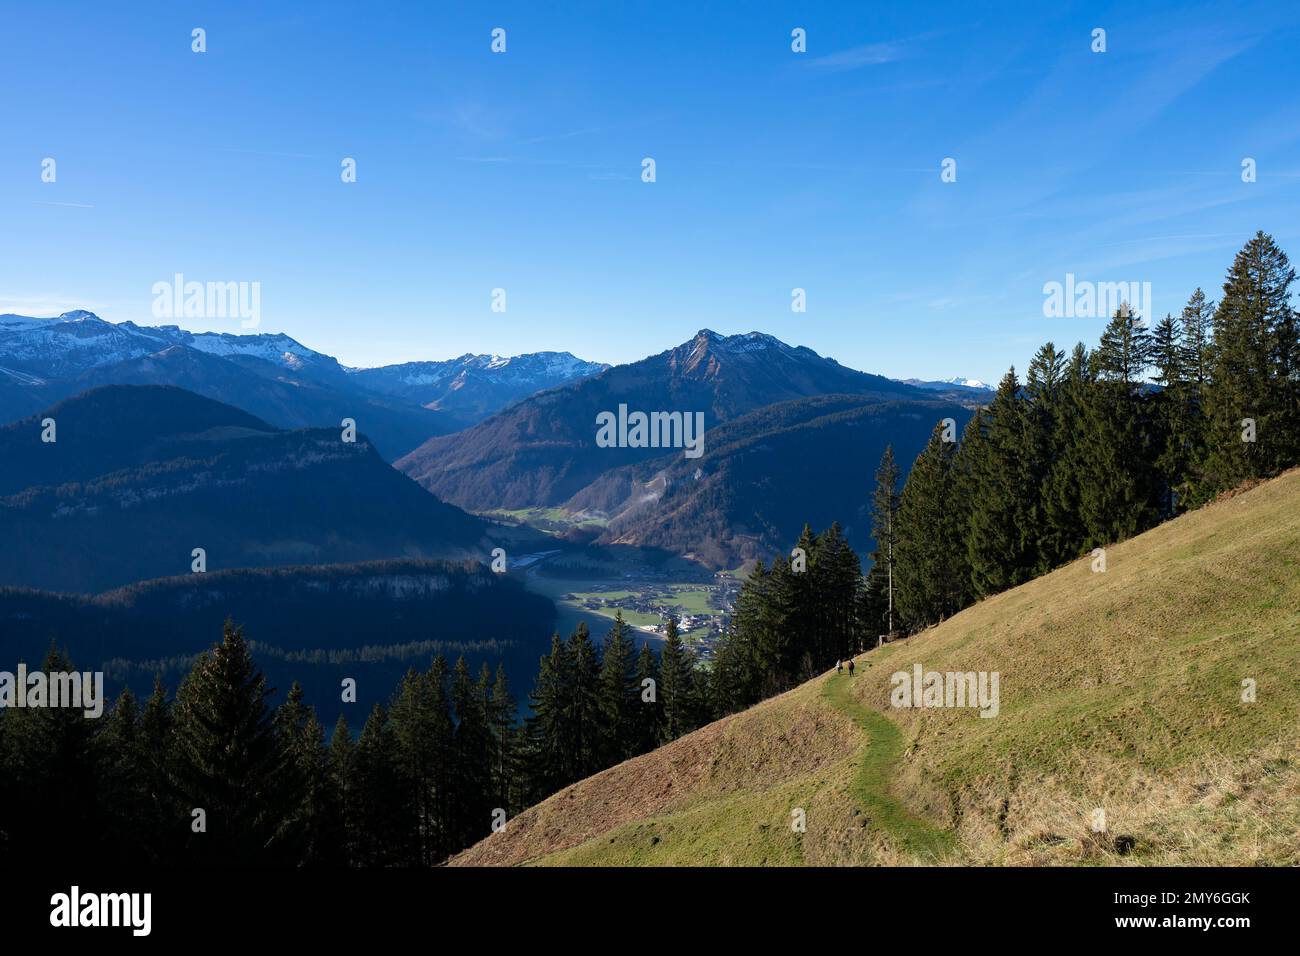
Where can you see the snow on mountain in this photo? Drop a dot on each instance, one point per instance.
(272, 348)
(949, 384)
(472, 387)
(67, 348)
(971, 383)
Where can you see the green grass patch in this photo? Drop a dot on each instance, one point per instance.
(871, 781)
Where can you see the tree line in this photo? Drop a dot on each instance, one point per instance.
(215, 775)
(1099, 445)
(1086, 451)
(1092, 447)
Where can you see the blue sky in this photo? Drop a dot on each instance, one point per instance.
(521, 170)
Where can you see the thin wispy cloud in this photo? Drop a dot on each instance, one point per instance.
(75, 205)
(869, 54)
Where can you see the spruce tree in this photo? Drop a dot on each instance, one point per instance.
(472, 760)
(649, 712)
(1063, 535)
(676, 686)
(618, 695)
(342, 764)
(1252, 390)
(1198, 339)
(583, 714)
(228, 761)
(884, 512)
(929, 578)
(505, 786)
(1001, 538)
(381, 824)
(551, 764)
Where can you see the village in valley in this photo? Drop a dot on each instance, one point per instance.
(702, 610)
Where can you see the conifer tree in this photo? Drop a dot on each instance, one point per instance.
(1042, 445)
(505, 785)
(341, 764)
(163, 818)
(550, 749)
(676, 687)
(930, 581)
(123, 780)
(583, 714)
(1001, 539)
(1198, 340)
(472, 760)
(1063, 535)
(383, 834)
(1125, 349)
(1252, 391)
(617, 693)
(649, 712)
(228, 761)
(884, 511)
(1119, 493)
(1167, 352)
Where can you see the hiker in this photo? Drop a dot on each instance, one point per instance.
(839, 665)
(850, 667)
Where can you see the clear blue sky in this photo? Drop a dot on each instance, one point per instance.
(522, 170)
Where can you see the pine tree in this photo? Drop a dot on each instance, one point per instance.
(1251, 380)
(1120, 493)
(1063, 534)
(1175, 412)
(649, 712)
(884, 511)
(618, 695)
(505, 744)
(228, 761)
(929, 578)
(123, 781)
(550, 749)
(1125, 349)
(1001, 538)
(586, 739)
(164, 819)
(676, 687)
(342, 770)
(472, 760)
(1041, 447)
(382, 826)
(312, 826)
(1167, 352)
(1198, 339)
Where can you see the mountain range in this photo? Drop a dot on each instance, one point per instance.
(789, 436)
(787, 430)
(139, 476)
(269, 375)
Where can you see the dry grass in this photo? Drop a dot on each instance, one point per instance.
(1119, 691)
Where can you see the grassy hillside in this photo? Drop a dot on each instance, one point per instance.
(1119, 691)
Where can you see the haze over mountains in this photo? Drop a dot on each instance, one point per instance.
(140, 476)
(488, 434)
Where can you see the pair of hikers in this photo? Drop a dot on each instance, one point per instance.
(839, 666)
